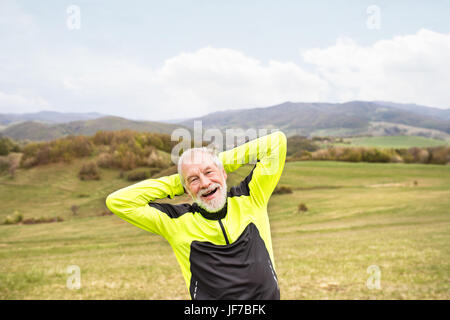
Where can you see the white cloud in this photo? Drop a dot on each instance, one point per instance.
(212, 79)
(411, 68)
(187, 85)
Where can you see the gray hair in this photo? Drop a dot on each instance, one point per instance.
(190, 152)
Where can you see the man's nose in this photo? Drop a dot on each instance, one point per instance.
(204, 182)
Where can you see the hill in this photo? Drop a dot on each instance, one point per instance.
(441, 114)
(46, 117)
(334, 119)
(36, 131)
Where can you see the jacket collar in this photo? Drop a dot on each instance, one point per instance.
(211, 215)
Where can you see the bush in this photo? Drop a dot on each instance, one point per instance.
(351, 154)
(105, 160)
(124, 149)
(138, 174)
(282, 190)
(419, 155)
(439, 155)
(302, 207)
(5, 164)
(64, 149)
(7, 146)
(74, 209)
(297, 145)
(42, 220)
(16, 217)
(89, 171)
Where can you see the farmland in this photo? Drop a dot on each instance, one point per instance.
(392, 216)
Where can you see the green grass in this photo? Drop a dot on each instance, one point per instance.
(395, 216)
(394, 142)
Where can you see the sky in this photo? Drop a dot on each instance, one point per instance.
(160, 60)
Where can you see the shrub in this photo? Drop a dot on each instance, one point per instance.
(302, 207)
(138, 174)
(42, 220)
(16, 217)
(64, 149)
(7, 146)
(89, 171)
(5, 164)
(298, 144)
(439, 155)
(282, 190)
(105, 160)
(74, 209)
(124, 149)
(351, 154)
(419, 155)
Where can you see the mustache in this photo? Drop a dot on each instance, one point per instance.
(209, 189)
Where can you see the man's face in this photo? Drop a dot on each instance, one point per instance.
(205, 181)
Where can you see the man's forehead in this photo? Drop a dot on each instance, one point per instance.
(198, 158)
(198, 161)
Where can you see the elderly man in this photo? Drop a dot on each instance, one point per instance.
(222, 241)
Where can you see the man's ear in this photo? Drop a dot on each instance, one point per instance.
(224, 173)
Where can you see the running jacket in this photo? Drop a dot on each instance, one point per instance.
(223, 255)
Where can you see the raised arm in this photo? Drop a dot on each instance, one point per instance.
(269, 155)
(131, 203)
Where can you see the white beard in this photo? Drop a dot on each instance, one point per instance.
(215, 204)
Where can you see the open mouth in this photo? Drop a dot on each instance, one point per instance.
(210, 194)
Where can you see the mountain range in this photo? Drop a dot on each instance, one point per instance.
(377, 118)
(336, 119)
(39, 131)
(46, 117)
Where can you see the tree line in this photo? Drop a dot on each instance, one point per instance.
(129, 150)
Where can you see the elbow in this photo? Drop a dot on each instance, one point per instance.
(282, 137)
(111, 203)
(282, 140)
(282, 144)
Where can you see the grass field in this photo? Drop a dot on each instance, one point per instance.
(393, 142)
(393, 216)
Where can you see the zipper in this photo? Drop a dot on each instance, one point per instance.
(223, 231)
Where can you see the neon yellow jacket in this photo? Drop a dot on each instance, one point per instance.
(223, 255)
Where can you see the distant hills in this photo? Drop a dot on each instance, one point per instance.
(336, 119)
(38, 131)
(46, 117)
(354, 118)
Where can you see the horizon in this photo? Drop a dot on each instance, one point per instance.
(176, 120)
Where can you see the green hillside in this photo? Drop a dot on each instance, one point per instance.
(394, 216)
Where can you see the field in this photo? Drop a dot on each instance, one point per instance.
(392, 216)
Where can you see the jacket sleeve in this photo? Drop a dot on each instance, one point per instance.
(132, 203)
(269, 155)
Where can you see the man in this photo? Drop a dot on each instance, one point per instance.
(222, 241)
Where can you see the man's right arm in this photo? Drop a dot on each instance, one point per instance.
(131, 203)
(269, 155)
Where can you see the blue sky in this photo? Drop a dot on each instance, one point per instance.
(172, 59)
